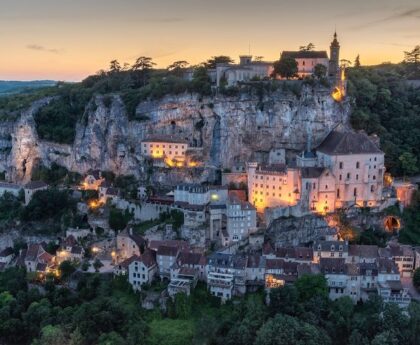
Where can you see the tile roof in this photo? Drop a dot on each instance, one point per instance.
(364, 251)
(349, 142)
(187, 258)
(332, 266)
(328, 245)
(167, 251)
(303, 54)
(182, 245)
(35, 185)
(6, 252)
(302, 253)
(7, 185)
(164, 139)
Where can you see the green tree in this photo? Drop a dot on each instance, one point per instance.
(357, 61)
(114, 66)
(408, 163)
(285, 330)
(142, 68)
(177, 68)
(307, 48)
(214, 60)
(112, 338)
(412, 56)
(320, 71)
(97, 264)
(51, 335)
(66, 269)
(309, 286)
(284, 299)
(286, 67)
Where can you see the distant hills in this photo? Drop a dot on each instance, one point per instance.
(8, 87)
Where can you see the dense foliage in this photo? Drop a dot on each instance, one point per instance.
(386, 103)
(103, 311)
(410, 233)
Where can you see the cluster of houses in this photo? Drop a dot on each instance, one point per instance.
(356, 271)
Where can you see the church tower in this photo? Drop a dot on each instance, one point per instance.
(334, 65)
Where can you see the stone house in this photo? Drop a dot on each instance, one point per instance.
(6, 255)
(31, 188)
(142, 270)
(129, 244)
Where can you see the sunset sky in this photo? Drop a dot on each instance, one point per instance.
(70, 39)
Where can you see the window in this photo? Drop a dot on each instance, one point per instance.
(372, 188)
(341, 177)
(374, 177)
(357, 176)
(348, 176)
(357, 165)
(326, 186)
(341, 165)
(338, 193)
(355, 192)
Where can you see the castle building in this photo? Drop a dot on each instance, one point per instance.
(357, 164)
(273, 185)
(347, 169)
(307, 60)
(246, 70)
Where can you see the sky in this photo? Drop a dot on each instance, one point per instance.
(71, 39)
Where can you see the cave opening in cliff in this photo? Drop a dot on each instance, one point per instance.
(392, 224)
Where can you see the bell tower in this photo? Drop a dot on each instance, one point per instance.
(334, 65)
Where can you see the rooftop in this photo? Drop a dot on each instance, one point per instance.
(164, 139)
(303, 54)
(8, 185)
(35, 185)
(348, 142)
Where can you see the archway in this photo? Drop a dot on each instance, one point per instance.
(392, 223)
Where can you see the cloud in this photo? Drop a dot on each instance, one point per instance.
(411, 13)
(40, 48)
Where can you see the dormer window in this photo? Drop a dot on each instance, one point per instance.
(332, 248)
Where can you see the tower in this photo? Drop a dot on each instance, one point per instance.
(334, 65)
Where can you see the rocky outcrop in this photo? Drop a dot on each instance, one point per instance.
(223, 130)
(292, 231)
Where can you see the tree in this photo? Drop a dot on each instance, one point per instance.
(178, 67)
(285, 330)
(112, 338)
(66, 269)
(320, 71)
(142, 68)
(114, 66)
(307, 48)
(416, 279)
(97, 264)
(412, 56)
(408, 163)
(211, 63)
(357, 61)
(284, 299)
(117, 220)
(286, 67)
(309, 286)
(51, 335)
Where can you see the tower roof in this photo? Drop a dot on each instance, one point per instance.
(335, 43)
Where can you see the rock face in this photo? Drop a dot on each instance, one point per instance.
(293, 231)
(222, 131)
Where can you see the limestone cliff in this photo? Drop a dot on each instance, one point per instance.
(222, 130)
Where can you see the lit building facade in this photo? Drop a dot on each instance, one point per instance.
(273, 186)
(167, 148)
(241, 219)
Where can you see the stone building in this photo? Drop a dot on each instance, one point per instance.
(31, 188)
(241, 219)
(142, 270)
(307, 60)
(357, 164)
(167, 148)
(273, 185)
(246, 70)
(129, 244)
